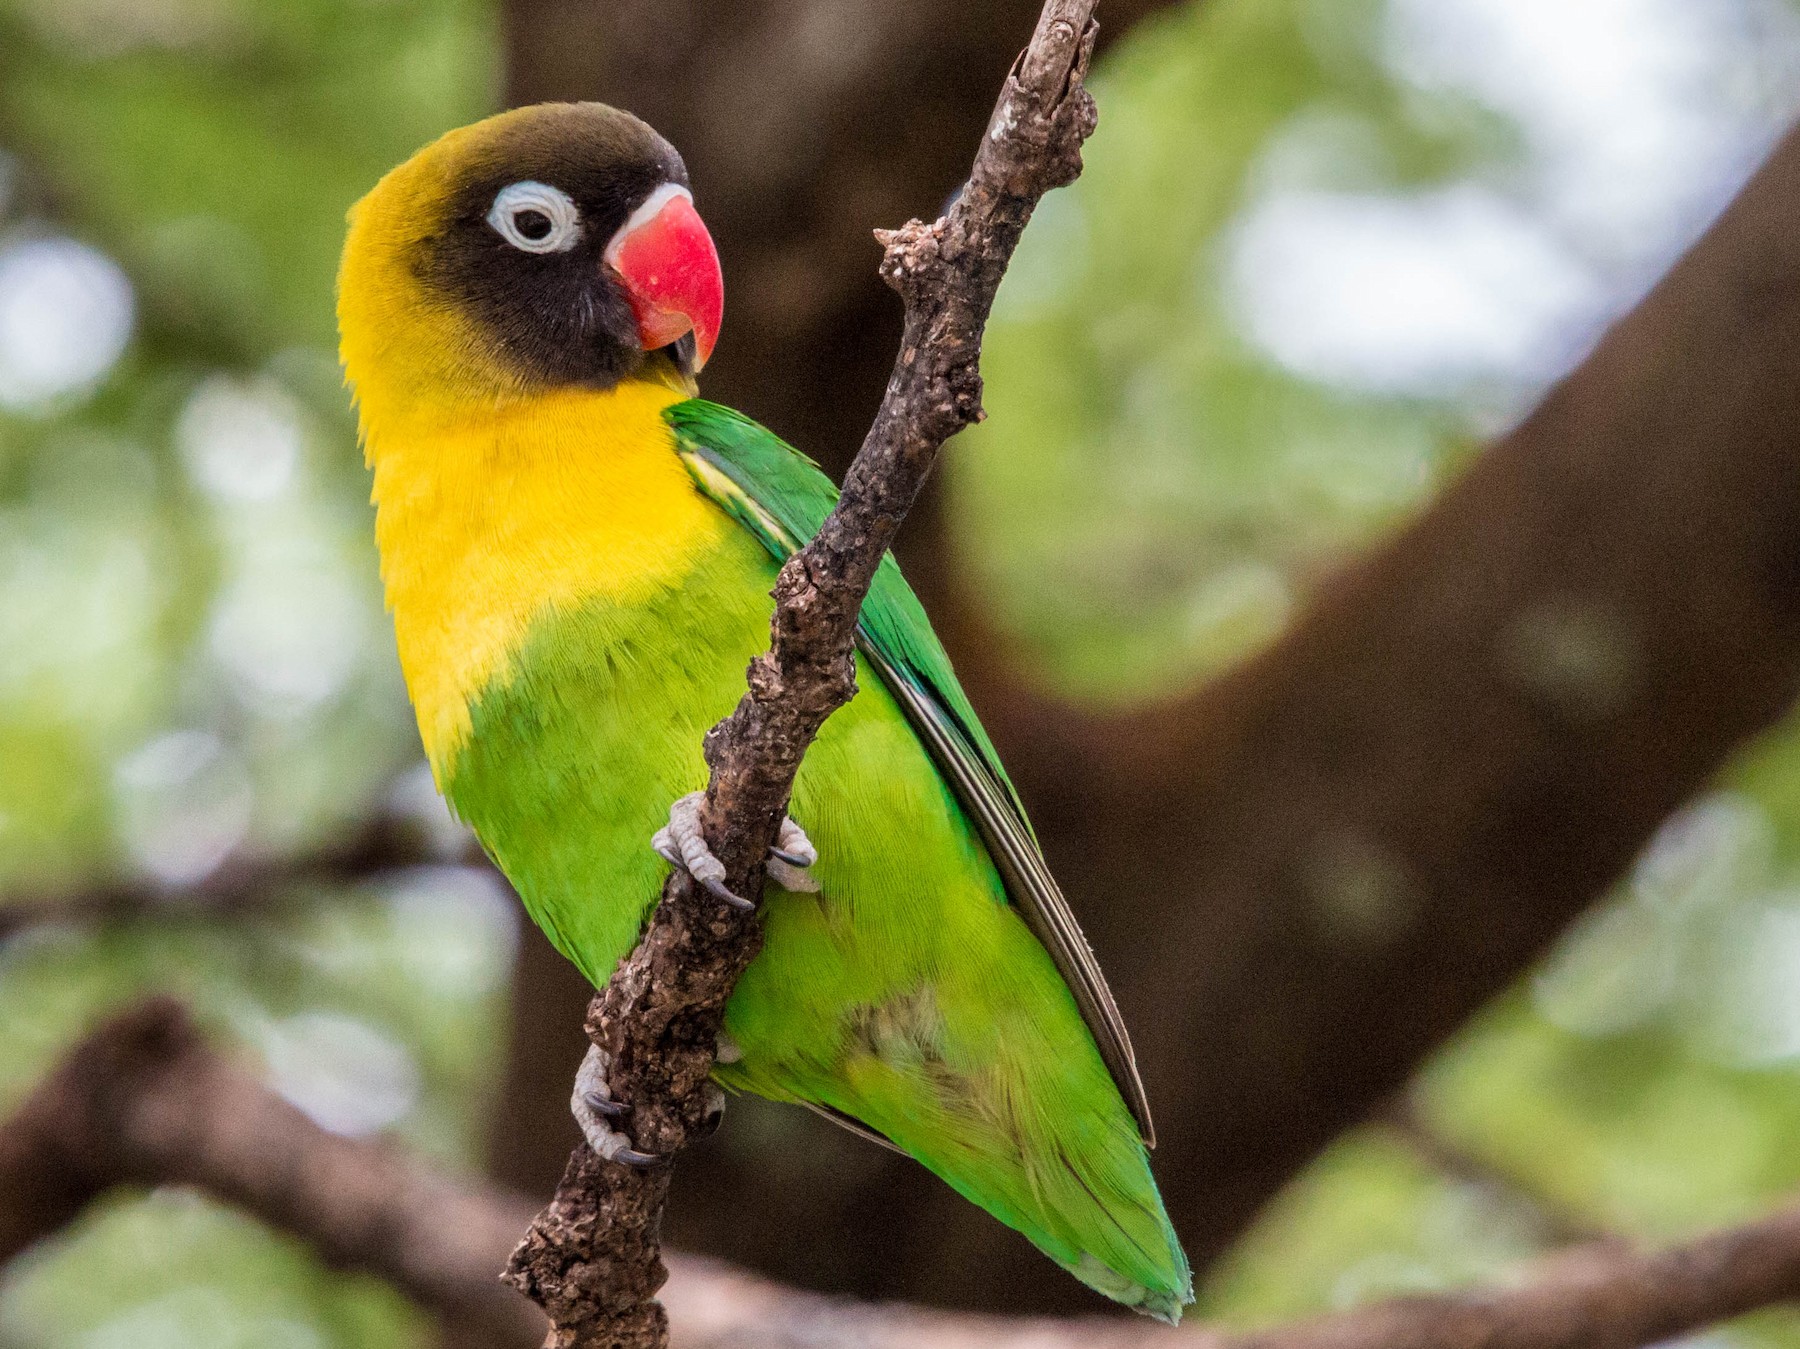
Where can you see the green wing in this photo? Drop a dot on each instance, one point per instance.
(781, 496)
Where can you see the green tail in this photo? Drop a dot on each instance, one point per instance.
(997, 1090)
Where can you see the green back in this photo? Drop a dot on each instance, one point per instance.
(783, 497)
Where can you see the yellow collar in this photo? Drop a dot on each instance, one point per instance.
(493, 518)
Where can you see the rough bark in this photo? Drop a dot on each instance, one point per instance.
(592, 1259)
(144, 1101)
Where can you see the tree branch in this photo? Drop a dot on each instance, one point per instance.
(591, 1260)
(144, 1101)
(1600, 1296)
(384, 843)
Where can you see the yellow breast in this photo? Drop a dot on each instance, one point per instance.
(491, 518)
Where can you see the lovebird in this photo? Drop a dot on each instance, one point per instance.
(578, 554)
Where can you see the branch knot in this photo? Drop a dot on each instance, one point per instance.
(912, 257)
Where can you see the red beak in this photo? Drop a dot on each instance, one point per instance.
(670, 271)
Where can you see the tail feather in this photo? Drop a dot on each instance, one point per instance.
(1059, 1161)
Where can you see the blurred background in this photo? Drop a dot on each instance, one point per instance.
(1322, 250)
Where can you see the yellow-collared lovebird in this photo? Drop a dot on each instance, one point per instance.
(578, 554)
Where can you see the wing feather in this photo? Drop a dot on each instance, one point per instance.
(782, 498)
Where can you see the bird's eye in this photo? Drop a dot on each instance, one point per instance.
(536, 218)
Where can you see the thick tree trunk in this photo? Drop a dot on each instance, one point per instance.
(1303, 878)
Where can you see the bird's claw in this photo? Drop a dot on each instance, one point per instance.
(719, 891)
(715, 1110)
(791, 858)
(592, 1105)
(793, 846)
(602, 1105)
(792, 854)
(681, 844)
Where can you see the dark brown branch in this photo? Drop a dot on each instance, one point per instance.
(1599, 1296)
(144, 1101)
(592, 1260)
(385, 843)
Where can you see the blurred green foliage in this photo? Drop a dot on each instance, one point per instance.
(196, 658)
(1168, 462)
(194, 661)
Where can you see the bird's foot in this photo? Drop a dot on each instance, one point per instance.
(681, 844)
(593, 1106)
(789, 859)
(725, 1050)
(715, 1109)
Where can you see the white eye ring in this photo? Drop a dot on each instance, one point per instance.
(549, 203)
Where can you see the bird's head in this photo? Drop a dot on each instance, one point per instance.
(549, 247)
